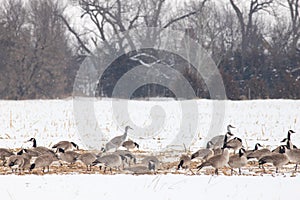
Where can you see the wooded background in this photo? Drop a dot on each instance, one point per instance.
(255, 44)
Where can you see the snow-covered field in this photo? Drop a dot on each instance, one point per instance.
(49, 121)
(147, 187)
(156, 123)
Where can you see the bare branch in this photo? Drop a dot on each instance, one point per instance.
(75, 34)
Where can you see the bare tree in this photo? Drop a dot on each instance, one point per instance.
(37, 49)
(246, 21)
(112, 20)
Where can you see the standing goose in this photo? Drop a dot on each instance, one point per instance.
(277, 159)
(88, 158)
(235, 144)
(238, 160)
(288, 142)
(40, 149)
(68, 156)
(218, 141)
(5, 153)
(293, 154)
(43, 161)
(247, 152)
(129, 144)
(184, 162)
(111, 160)
(217, 161)
(65, 145)
(204, 154)
(117, 141)
(259, 153)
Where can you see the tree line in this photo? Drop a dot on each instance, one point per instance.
(254, 43)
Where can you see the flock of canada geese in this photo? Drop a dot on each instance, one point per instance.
(221, 152)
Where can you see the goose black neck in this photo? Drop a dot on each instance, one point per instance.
(225, 141)
(34, 143)
(241, 153)
(289, 136)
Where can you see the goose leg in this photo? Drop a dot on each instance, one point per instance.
(296, 167)
(231, 171)
(216, 171)
(240, 171)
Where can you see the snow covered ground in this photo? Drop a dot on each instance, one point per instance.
(158, 124)
(147, 187)
(49, 121)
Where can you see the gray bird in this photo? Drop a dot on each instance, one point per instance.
(218, 141)
(18, 162)
(204, 154)
(277, 159)
(238, 160)
(65, 145)
(130, 158)
(293, 155)
(247, 152)
(129, 144)
(42, 150)
(43, 161)
(154, 159)
(184, 162)
(217, 161)
(113, 160)
(235, 144)
(117, 141)
(288, 141)
(141, 168)
(4, 154)
(88, 159)
(68, 156)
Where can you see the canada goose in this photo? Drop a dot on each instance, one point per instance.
(110, 160)
(203, 154)
(129, 144)
(235, 144)
(154, 159)
(218, 140)
(217, 161)
(277, 159)
(5, 153)
(87, 159)
(40, 149)
(68, 156)
(65, 145)
(184, 162)
(141, 169)
(18, 162)
(288, 141)
(252, 150)
(117, 141)
(130, 158)
(293, 155)
(258, 153)
(43, 161)
(238, 160)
